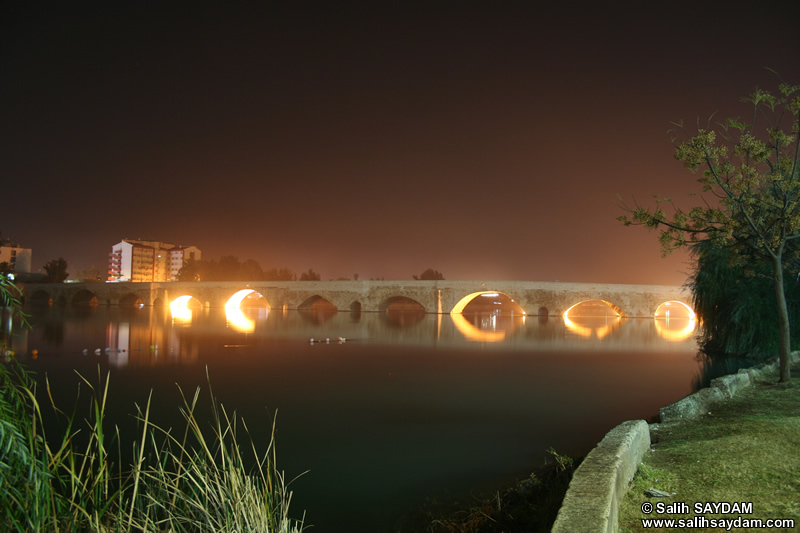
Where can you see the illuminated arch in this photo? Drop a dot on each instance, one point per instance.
(462, 303)
(617, 309)
(663, 310)
(235, 301)
(181, 307)
(235, 315)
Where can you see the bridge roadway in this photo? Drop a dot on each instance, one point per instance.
(441, 296)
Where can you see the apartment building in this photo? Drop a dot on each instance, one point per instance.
(138, 260)
(18, 259)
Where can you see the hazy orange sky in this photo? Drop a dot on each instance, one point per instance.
(485, 141)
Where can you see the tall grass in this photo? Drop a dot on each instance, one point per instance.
(198, 481)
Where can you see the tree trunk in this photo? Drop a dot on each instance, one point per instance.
(783, 321)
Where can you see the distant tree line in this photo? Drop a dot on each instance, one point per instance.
(230, 268)
(429, 274)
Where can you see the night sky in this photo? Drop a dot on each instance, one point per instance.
(485, 140)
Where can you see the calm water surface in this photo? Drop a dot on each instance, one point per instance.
(410, 406)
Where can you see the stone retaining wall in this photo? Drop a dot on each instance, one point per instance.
(592, 501)
(591, 504)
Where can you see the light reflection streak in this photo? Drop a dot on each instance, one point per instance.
(587, 332)
(238, 321)
(675, 334)
(690, 312)
(474, 333)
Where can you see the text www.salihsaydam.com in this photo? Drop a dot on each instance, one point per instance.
(728, 524)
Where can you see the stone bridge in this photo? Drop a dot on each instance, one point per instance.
(441, 296)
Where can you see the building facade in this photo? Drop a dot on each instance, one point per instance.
(150, 261)
(18, 259)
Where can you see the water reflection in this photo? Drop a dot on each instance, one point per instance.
(151, 337)
(404, 406)
(675, 329)
(589, 327)
(486, 327)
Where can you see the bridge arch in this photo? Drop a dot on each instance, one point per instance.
(316, 302)
(41, 297)
(595, 303)
(466, 300)
(400, 303)
(184, 306)
(674, 309)
(131, 300)
(246, 296)
(84, 297)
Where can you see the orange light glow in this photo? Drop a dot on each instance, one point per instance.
(238, 321)
(616, 309)
(473, 333)
(234, 314)
(587, 332)
(180, 309)
(669, 309)
(675, 329)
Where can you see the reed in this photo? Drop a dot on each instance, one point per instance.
(199, 481)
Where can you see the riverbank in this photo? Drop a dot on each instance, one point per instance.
(744, 449)
(529, 505)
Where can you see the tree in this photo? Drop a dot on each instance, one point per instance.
(430, 274)
(192, 270)
(309, 276)
(752, 173)
(56, 271)
(250, 270)
(736, 303)
(91, 274)
(282, 274)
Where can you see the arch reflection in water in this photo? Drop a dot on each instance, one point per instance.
(588, 327)
(401, 312)
(317, 310)
(593, 318)
(675, 329)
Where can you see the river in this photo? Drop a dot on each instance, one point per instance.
(407, 406)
